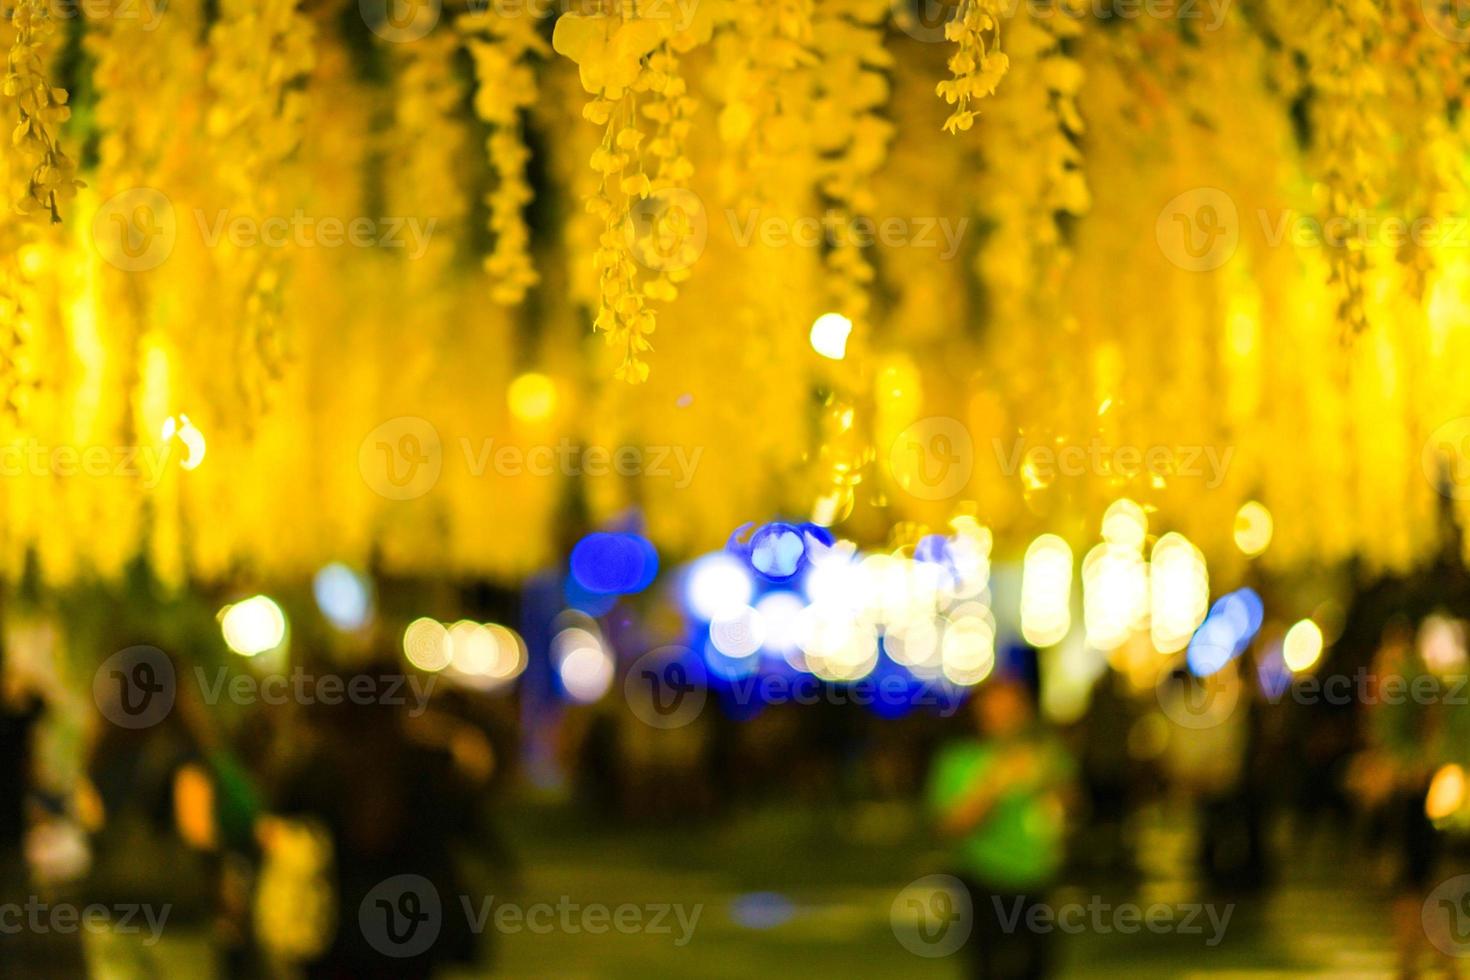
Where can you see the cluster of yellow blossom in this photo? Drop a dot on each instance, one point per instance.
(1352, 127)
(763, 63)
(42, 109)
(258, 51)
(978, 65)
(500, 47)
(644, 225)
(852, 135)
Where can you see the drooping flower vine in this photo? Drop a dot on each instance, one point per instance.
(501, 48)
(646, 224)
(852, 137)
(259, 51)
(42, 108)
(427, 144)
(1350, 128)
(978, 63)
(38, 177)
(763, 63)
(1035, 118)
(1430, 92)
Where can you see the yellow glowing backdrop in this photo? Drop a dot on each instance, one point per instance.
(343, 281)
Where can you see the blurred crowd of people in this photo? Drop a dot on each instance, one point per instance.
(247, 851)
(263, 834)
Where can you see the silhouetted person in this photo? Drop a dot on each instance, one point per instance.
(1000, 799)
(395, 796)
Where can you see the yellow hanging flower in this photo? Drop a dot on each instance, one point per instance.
(620, 60)
(42, 110)
(501, 47)
(977, 65)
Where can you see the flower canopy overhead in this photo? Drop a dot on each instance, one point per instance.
(285, 282)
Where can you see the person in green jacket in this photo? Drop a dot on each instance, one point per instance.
(1000, 799)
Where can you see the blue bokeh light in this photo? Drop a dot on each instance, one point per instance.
(605, 563)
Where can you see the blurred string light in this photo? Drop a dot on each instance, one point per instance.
(1115, 594)
(1046, 591)
(779, 551)
(1232, 623)
(532, 397)
(1179, 588)
(1302, 646)
(179, 427)
(717, 584)
(583, 662)
(967, 650)
(1253, 528)
(916, 646)
(253, 626)
(614, 564)
(1442, 643)
(780, 614)
(485, 656)
(1125, 525)
(738, 632)
(426, 644)
(829, 335)
(1446, 795)
(968, 551)
(926, 606)
(344, 597)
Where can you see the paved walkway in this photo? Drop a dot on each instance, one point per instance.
(772, 900)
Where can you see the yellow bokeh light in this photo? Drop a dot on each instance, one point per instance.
(1302, 646)
(427, 645)
(1125, 524)
(829, 335)
(967, 652)
(1179, 592)
(1446, 792)
(1114, 595)
(253, 626)
(1253, 528)
(1046, 591)
(532, 397)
